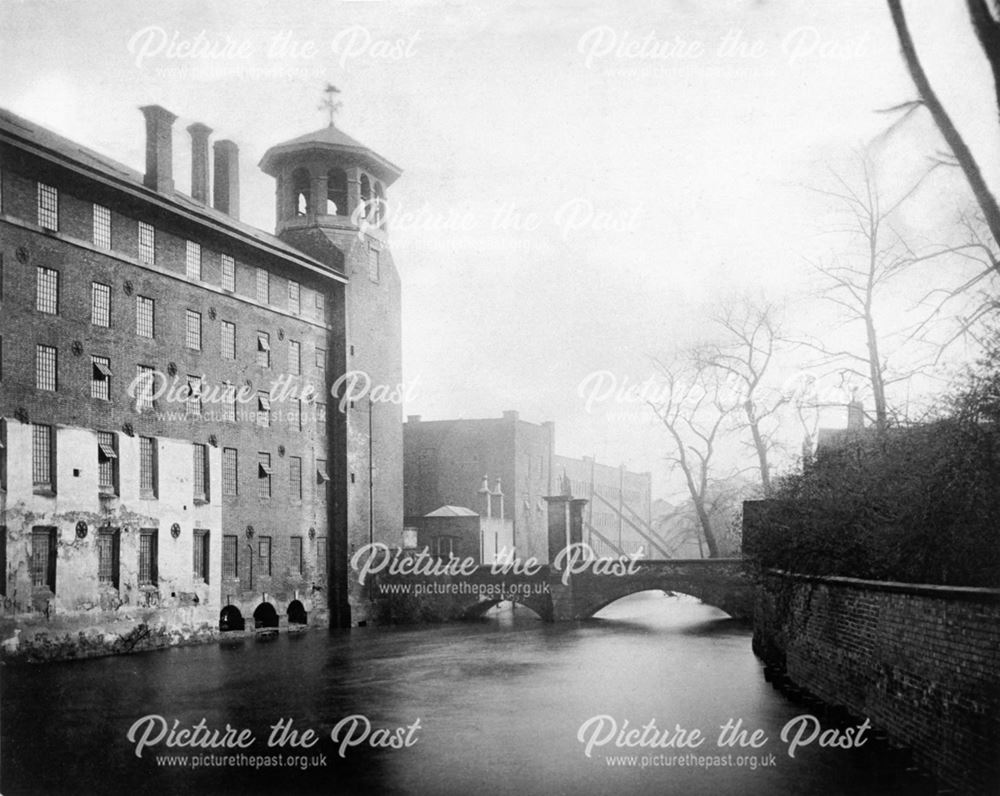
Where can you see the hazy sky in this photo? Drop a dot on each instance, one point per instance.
(580, 178)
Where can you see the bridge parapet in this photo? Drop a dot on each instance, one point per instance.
(719, 582)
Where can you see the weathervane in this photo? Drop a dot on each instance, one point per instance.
(331, 104)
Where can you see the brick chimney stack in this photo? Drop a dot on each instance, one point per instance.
(199, 161)
(855, 415)
(227, 178)
(159, 148)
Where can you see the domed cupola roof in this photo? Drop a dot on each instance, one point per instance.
(330, 140)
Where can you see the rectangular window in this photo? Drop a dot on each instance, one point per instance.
(297, 416)
(228, 273)
(373, 262)
(263, 475)
(192, 260)
(295, 559)
(107, 462)
(193, 404)
(148, 557)
(321, 362)
(100, 378)
(321, 559)
(320, 303)
(43, 558)
(230, 547)
(263, 409)
(294, 358)
(3, 470)
(48, 207)
(200, 569)
(147, 467)
(45, 367)
(263, 349)
(147, 243)
(264, 555)
(444, 547)
(263, 286)
(294, 297)
(102, 227)
(144, 311)
(46, 290)
(321, 479)
(230, 472)
(145, 378)
(42, 457)
(192, 330)
(228, 340)
(100, 304)
(229, 402)
(108, 550)
(3, 560)
(295, 477)
(202, 485)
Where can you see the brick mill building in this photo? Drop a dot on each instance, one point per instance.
(171, 451)
(512, 462)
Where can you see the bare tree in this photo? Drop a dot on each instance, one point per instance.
(966, 307)
(692, 408)
(855, 278)
(745, 353)
(988, 33)
(680, 527)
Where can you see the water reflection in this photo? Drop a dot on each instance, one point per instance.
(500, 702)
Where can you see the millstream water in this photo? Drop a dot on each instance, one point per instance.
(500, 705)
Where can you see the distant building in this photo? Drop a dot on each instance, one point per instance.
(445, 460)
(617, 516)
(828, 439)
(242, 486)
(458, 532)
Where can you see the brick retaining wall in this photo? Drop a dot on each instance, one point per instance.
(922, 662)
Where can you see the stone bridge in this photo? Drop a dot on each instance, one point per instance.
(720, 582)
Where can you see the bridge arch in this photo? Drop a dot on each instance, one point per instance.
(541, 608)
(720, 586)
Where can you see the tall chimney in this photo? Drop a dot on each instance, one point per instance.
(484, 490)
(498, 492)
(159, 148)
(199, 161)
(227, 178)
(855, 415)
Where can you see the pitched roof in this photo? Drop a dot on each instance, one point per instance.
(333, 139)
(55, 147)
(326, 135)
(452, 511)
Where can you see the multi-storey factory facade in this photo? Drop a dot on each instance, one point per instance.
(171, 448)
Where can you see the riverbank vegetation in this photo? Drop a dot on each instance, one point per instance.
(919, 503)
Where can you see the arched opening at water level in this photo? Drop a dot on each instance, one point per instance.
(264, 616)
(230, 618)
(297, 613)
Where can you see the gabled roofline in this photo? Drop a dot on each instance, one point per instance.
(164, 202)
